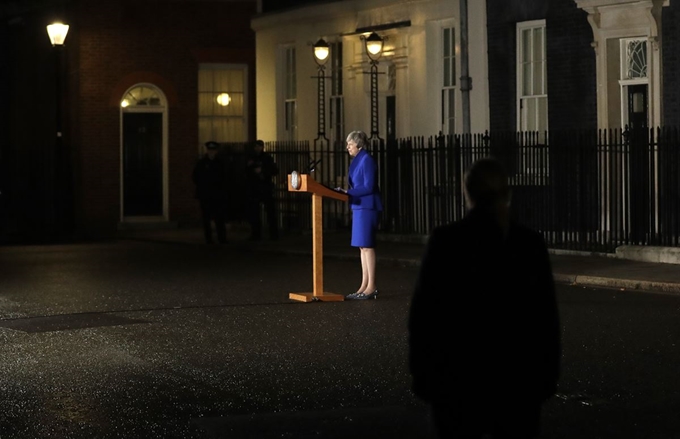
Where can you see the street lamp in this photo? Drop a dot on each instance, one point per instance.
(321, 52)
(57, 32)
(374, 47)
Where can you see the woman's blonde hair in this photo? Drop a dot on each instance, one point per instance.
(360, 138)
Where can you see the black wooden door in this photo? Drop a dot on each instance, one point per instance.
(142, 164)
(640, 184)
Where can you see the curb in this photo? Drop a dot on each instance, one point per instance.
(619, 284)
(568, 279)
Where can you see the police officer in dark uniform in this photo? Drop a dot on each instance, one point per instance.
(209, 176)
(260, 171)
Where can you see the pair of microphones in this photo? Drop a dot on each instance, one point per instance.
(312, 165)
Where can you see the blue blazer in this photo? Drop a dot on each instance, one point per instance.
(364, 192)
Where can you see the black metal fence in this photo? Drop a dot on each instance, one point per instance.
(586, 190)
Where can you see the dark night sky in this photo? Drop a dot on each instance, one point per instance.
(279, 5)
(11, 8)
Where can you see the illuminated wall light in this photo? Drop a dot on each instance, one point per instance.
(321, 51)
(223, 99)
(57, 33)
(374, 46)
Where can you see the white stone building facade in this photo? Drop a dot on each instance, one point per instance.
(419, 91)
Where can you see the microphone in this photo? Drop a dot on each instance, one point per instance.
(312, 165)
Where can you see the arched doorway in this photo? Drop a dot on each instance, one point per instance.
(144, 155)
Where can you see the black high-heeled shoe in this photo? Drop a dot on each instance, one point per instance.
(364, 296)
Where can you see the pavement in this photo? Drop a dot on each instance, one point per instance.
(632, 268)
(179, 339)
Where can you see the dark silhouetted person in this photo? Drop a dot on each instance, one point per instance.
(209, 176)
(484, 332)
(260, 172)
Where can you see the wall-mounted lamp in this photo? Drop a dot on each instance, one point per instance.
(321, 52)
(223, 99)
(374, 47)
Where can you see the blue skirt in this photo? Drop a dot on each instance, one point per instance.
(364, 227)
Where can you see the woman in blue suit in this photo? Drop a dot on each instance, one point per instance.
(366, 204)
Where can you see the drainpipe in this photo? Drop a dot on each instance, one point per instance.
(465, 80)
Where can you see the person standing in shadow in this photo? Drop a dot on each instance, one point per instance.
(260, 171)
(484, 331)
(209, 176)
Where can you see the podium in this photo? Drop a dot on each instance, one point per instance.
(305, 183)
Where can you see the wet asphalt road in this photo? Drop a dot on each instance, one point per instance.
(153, 340)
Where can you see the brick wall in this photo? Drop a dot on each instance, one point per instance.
(502, 76)
(126, 42)
(670, 41)
(502, 17)
(572, 94)
(570, 62)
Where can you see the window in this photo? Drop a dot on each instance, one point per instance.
(532, 102)
(221, 103)
(634, 82)
(141, 96)
(290, 94)
(532, 93)
(449, 80)
(634, 56)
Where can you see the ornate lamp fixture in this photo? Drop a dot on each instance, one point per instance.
(374, 48)
(321, 52)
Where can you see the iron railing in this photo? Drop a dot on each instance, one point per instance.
(583, 190)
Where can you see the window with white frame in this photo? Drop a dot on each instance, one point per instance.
(290, 94)
(337, 113)
(532, 103)
(634, 56)
(634, 71)
(532, 91)
(449, 79)
(141, 96)
(222, 103)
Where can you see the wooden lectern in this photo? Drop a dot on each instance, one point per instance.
(305, 183)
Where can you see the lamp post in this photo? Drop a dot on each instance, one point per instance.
(374, 47)
(321, 52)
(57, 32)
